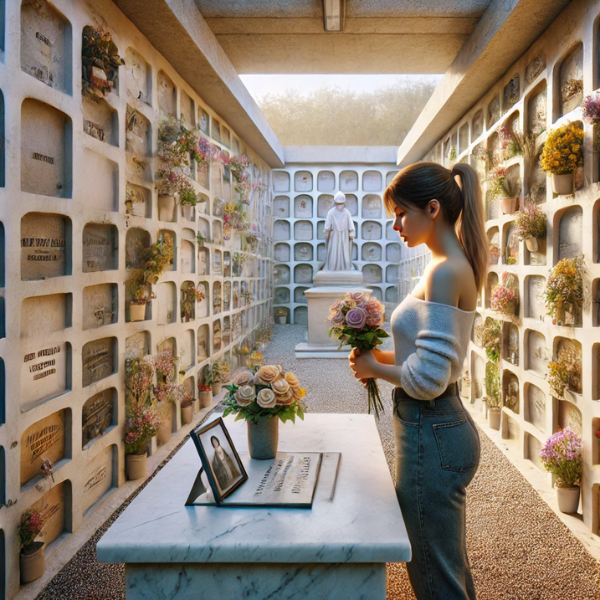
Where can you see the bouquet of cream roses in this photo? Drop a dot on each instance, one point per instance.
(268, 393)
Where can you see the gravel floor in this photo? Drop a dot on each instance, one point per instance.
(518, 548)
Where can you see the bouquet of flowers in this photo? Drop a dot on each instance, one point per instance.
(31, 524)
(565, 284)
(142, 424)
(271, 392)
(357, 322)
(563, 150)
(562, 456)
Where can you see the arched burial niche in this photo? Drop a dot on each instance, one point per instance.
(303, 181)
(570, 80)
(535, 406)
(511, 94)
(57, 503)
(538, 354)
(303, 230)
(301, 315)
(138, 146)
(570, 233)
(281, 231)
(281, 207)
(138, 200)
(99, 415)
(372, 274)
(492, 282)
(326, 181)
(348, 181)
(186, 110)
(371, 230)
(282, 252)
(324, 205)
(100, 120)
(166, 298)
(533, 449)
(216, 335)
(372, 207)
(303, 207)
(281, 275)
(46, 160)
(510, 391)
(282, 295)
(203, 343)
(98, 360)
(537, 109)
(494, 245)
(371, 252)
(100, 248)
(188, 255)
(138, 80)
(217, 298)
(372, 181)
(281, 181)
(477, 125)
(534, 290)
(166, 94)
(100, 477)
(46, 47)
(303, 252)
(303, 274)
(569, 356)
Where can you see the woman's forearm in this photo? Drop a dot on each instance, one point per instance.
(387, 372)
(385, 357)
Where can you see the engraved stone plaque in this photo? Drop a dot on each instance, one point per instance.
(303, 230)
(348, 181)
(98, 360)
(137, 145)
(100, 305)
(371, 252)
(281, 207)
(372, 181)
(303, 207)
(137, 76)
(303, 252)
(100, 120)
(371, 230)
(166, 93)
(303, 181)
(282, 252)
(570, 234)
(326, 181)
(99, 248)
(42, 315)
(52, 504)
(535, 411)
(372, 207)
(44, 440)
(98, 477)
(281, 181)
(43, 373)
(97, 415)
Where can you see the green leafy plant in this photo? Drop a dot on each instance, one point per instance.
(492, 385)
(188, 197)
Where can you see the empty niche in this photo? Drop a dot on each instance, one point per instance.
(376, 292)
(56, 503)
(99, 414)
(492, 282)
(570, 80)
(98, 360)
(535, 406)
(202, 310)
(568, 354)
(537, 111)
(166, 298)
(533, 450)
(391, 274)
(303, 274)
(477, 124)
(303, 252)
(138, 201)
(227, 296)
(187, 257)
(390, 234)
(44, 440)
(303, 230)
(282, 252)
(45, 246)
(392, 253)
(371, 252)
(510, 390)
(187, 349)
(324, 205)
(281, 181)
(137, 145)
(570, 233)
(281, 207)
(186, 107)
(215, 130)
(165, 233)
(510, 254)
(203, 343)
(217, 298)
(138, 78)
(204, 229)
(203, 121)
(299, 297)
(102, 181)
(46, 44)
(281, 230)
(493, 111)
(511, 94)
(348, 181)
(301, 315)
(303, 181)
(42, 315)
(535, 306)
(569, 416)
(325, 181)
(100, 248)
(282, 295)
(281, 275)
(46, 160)
(303, 207)
(99, 478)
(391, 295)
(217, 335)
(203, 261)
(463, 137)
(538, 354)
(493, 235)
(371, 230)
(372, 181)
(321, 252)
(371, 207)
(166, 93)
(372, 273)
(100, 120)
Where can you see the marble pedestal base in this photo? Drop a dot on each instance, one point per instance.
(319, 344)
(284, 581)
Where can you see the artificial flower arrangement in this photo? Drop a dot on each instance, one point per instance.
(490, 334)
(270, 392)
(189, 296)
(505, 296)
(511, 141)
(558, 378)
(492, 385)
(100, 62)
(357, 321)
(591, 109)
(237, 168)
(502, 186)
(565, 285)
(30, 526)
(563, 150)
(562, 455)
(531, 222)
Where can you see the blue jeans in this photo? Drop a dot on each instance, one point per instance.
(437, 455)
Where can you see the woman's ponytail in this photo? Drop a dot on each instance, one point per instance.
(470, 226)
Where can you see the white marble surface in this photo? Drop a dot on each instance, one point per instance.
(362, 524)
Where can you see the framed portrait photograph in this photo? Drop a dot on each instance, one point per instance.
(220, 460)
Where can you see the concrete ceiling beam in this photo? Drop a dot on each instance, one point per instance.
(506, 30)
(179, 32)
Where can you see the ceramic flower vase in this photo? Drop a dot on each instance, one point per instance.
(508, 205)
(263, 438)
(137, 312)
(32, 563)
(188, 212)
(494, 416)
(568, 499)
(166, 206)
(532, 244)
(135, 465)
(562, 184)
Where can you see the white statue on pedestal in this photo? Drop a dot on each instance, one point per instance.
(339, 235)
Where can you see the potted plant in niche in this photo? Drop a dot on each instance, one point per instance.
(205, 393)
(493, 398)
(505, 296)
(281, 316)
(187, 409)
(565, 287)
(100, 62)
(220, 375)
(531, 226)
(504, 187)
(167, 391)
(262, 399)
(490, 334)
(188, 199)
(189, 296)
(562, 154)
(562, 456)
(140, 294)
(31, 558)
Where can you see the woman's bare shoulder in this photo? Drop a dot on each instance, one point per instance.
(451, 282)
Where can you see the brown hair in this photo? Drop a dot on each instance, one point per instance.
(418, 184)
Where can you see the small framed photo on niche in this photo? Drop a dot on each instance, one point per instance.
(220, 460)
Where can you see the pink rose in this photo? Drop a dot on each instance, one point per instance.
(357, 296)
(375, 320)
(336, 318)
(356, 318)
(336, 306)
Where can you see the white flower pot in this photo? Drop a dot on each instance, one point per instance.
(568, 499)
(282, 320)
(166, 206)
(188, 212)
(562, 184)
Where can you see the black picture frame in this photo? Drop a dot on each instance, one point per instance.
(205, 433)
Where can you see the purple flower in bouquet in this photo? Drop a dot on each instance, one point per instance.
(562, 456)
(356, 318)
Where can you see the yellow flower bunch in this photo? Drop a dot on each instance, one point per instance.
(563, 150)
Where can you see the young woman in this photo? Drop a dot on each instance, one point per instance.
(437, 445)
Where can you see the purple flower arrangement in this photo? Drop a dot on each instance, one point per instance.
(562, 455)
(591, 108)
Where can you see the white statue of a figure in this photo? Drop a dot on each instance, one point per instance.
(339, 235)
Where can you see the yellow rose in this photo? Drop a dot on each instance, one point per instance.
(266, 398)
(292, 380)
(298, 393)
(269, 373)
(280, 386)
(285, 399)
(245, 395)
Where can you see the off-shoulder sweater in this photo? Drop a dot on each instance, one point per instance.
(430, 344)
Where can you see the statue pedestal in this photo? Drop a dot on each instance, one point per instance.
(329, 287)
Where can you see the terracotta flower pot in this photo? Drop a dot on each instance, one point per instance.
(263, 438)
(187, 414)
(166, 206)
(559, 315)
(165, 430)
(508, 205)
(562, 184)
(205, 398)
(137, 312)
(494, 415)
(135, 465)
(32, 563)
(188, 212)
(532, 244)
(217, 388)
(568, 499)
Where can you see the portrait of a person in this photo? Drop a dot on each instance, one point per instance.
(224, 468)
